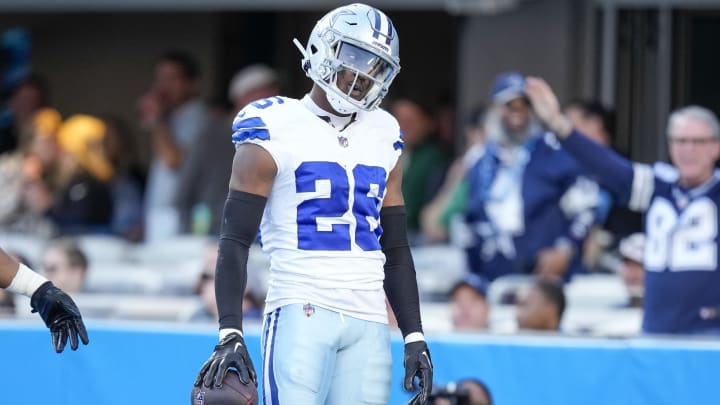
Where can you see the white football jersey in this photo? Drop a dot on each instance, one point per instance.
(321, 222)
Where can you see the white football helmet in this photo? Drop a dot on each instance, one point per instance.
(353, 53)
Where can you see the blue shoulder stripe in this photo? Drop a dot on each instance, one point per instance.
(248, 123)
(250, 128)
(400, 144)
(253, 133)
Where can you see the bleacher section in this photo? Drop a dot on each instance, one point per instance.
(155, 281)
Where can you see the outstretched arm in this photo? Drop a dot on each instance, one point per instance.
(631, 183)
(56, 308)
(8, 269)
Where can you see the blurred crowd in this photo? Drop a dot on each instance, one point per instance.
(492, 183)
(487, 181)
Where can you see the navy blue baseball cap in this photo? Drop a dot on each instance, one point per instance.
(477, 283)
(507, 86)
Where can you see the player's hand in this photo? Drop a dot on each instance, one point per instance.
(546, 106)
(230, 352)
(61, 315)
(418, 364)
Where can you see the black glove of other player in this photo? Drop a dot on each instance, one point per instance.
(417, 363)
(230, 352)
(60, 314)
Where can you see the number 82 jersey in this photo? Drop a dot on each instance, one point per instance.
(321, 224)
(681, 250)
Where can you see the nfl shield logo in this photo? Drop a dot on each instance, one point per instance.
(309, 309)
(343, 141)
(199, 398)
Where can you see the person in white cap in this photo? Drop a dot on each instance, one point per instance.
(204, 181)
(252, 83)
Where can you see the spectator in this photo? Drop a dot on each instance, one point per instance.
(82, 203)
(468, 301)
(424, 158)
(20, 167)
(529, 209)
(126, 184)
(252, 83)
(682, 282)
(540, 306)
(29, 96)
(175, 117)
(632, 271)
(595, 120)
(205, 289)
(469, 391)
(65, 264)
(26, 176)
(204, 179)
(615, 221)
(479, 392)
(449, 203)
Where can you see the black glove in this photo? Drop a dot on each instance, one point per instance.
(60, 314)
(417, 363)
(230, 352)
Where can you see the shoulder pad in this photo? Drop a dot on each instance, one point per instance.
(252, 121)
(249, 128)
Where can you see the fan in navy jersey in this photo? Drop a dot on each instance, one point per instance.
(529, 209)
(320, 177)
(682, 281)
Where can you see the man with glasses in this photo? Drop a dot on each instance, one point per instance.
(55, 307)
(680, 201)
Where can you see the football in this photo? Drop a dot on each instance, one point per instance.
(232, 392)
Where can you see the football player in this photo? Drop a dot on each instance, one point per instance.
(680, 202)
(321, 179)
(55, 307)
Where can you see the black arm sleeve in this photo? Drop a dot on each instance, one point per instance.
(240, 223)
(400, 283)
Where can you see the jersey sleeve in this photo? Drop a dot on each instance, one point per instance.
(399, 144)
(632, 184)
(254, 125)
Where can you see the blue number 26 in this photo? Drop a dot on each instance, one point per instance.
(315, 217)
